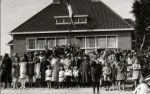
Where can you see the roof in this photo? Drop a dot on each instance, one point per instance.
(130, 21)
(10, 43)
(100, 16)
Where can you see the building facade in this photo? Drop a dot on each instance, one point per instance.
(96, 27)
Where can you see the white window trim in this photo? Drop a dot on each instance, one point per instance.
(68, 16)
(64, 23)
(27, 44)
(116, 45)
(36, 43)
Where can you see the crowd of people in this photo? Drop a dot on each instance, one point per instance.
(69, 66)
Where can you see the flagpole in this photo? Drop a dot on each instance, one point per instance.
(70, 34)
(70, 15)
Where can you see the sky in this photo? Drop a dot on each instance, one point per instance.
(15, 12)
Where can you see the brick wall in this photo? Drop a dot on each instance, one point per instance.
(124, 39)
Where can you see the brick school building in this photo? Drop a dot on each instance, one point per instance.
(96, 27)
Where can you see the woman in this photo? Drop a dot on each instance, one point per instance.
(15, 72)
(136, 72)
(6, 70)
(121, 75)
(23, 71)
(55, 62)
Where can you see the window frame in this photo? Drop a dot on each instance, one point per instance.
(96, 46)
(46, 43)
(76, 16)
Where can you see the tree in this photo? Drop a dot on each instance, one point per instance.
(141, 11)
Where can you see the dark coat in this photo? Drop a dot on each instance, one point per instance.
(85, 70)
(30, 69)
(96, 71)
(43, 68)
(6, 70)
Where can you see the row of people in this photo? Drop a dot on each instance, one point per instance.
(59, 68)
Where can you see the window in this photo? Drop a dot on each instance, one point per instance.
(101, 42)
(40, 43)
(80, 41)
(66, 20)
(60, 41)
(51, 42)
(90, 42)
(82, 20)
(111, 42)
(78, 19)
(31, 44)
(59, 21)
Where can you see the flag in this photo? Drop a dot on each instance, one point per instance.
(70, 12)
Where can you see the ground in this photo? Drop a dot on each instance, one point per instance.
(60, 91)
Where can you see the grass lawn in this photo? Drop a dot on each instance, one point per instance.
(60, 91)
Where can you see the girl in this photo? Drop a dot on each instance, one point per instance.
(23, 71)
(48, 74)
(76, 76)
(37, 71)
(121, 75)
(61, 76)
(106, 75)
(30, 70)
(68, 76)
(136, 72)
(15, 72)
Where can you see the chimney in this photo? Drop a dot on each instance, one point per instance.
(57, 1)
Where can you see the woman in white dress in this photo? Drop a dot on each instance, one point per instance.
(23, 71)
(55, 63)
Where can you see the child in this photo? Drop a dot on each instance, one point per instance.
(68, 75)
(113, 75)
(30, 69)
(23, 71)
(15, 72)
(76, 76)
(136, 72)
(106, 75)
(48, 74)
(37, 70)
(61, 76)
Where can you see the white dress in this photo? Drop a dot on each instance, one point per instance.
(37, 71)
(61, 76)
(23, 70)
(75, 73)
(48, 74)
